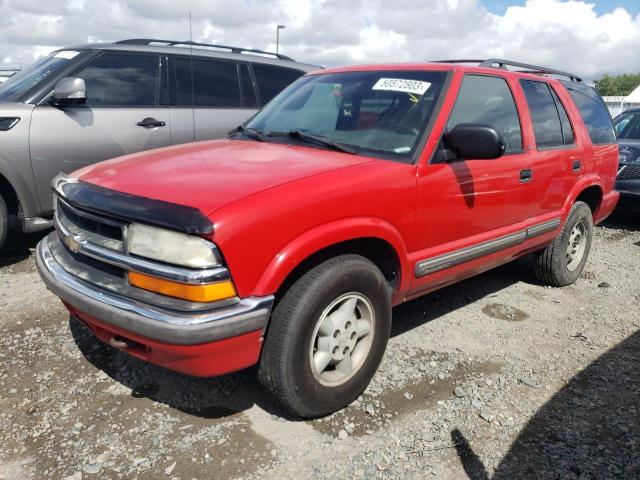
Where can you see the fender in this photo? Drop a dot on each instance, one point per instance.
(21, 188)
(332, 233)
(584, 182)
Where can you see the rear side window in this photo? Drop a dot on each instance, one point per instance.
(488, 100)
(215, 83)
(551, 124)
(122, 80)
(248, 91)
(594, 114)
(272, 79)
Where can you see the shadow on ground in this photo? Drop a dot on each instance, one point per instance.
(589, 430)
(229, 394)
(18, 247)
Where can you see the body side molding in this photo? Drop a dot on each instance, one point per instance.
(431, 265)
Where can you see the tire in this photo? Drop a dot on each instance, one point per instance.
(296, 347)
(4, 221)
(558, 265)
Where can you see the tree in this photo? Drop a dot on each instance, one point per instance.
(618, 85)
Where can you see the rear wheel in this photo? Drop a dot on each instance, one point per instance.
(327, 336)
(562, 262)
(4, 221)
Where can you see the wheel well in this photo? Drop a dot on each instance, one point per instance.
(592, 196)
(378, 251)
(9, 196)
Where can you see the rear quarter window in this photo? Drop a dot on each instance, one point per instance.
(272, 79)
(594, 114)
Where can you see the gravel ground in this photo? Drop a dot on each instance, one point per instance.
(496, 377)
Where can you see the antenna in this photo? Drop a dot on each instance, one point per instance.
(193, 95)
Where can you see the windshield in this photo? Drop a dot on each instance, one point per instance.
(627, 126)
(22, 82)
(377, 113)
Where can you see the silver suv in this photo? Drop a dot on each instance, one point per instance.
(84, 104)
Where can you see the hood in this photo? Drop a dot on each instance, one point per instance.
(629, 151)
(210, 175)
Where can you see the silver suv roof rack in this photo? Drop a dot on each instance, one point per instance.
(149, 41)
(526, 68)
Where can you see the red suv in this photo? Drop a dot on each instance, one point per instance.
(355, 190)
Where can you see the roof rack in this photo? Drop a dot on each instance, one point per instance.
(149, 41)
(527, 68)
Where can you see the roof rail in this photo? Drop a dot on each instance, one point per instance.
(527, 68)
(149, 41)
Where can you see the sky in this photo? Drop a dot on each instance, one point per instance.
(589, 38)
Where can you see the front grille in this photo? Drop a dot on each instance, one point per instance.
(629, 172)
(92, 247)
(96, 229)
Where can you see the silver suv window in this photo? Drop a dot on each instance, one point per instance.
(33, 75)
(122, 80)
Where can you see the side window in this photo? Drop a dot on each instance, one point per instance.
(545, 113)
(248, 92)
(122, 80)
(488, 100)
(594, 114)
(215, 83)
(567, 129)
(272, 79)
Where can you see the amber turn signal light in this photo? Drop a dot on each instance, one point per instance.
(208, 292)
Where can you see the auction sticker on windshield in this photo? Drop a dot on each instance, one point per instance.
(401, 85)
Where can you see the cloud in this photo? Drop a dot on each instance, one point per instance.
(568, 35)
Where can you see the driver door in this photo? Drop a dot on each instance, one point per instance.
(464, 204)
(122, 115)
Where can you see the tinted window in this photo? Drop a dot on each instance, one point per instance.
(628, 126)
(122, 80)
(248, 91)
(272, 80)
(565, 123)
(215, 83)
(544, 113)
(594, 113)
(488, 100)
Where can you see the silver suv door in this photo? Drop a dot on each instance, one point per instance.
(223, 96)
(122, 115)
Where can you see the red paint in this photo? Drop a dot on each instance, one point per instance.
(275, 205)
(205, 360)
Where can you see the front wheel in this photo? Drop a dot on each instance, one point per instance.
(562, 262)
(327, 336)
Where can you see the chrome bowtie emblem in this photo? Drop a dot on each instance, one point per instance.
(74, 242)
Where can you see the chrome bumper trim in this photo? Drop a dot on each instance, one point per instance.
(180, 328)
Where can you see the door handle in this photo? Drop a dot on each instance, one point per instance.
(577, 165)
(526, 175)
(150, 122)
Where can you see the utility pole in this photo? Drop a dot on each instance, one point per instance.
(278, 28)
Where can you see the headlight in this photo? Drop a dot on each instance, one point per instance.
(171, 247)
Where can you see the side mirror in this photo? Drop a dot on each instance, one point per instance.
(475, 141)
(69, 91)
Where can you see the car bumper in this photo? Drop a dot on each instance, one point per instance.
(198, 343)
(629, 188)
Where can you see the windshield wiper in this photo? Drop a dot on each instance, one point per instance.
(249, 132)
(324, 141)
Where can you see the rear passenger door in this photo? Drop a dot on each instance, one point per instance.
(465, 205)
(210, 96)
(559, 156)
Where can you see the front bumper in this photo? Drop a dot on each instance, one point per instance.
(150, 332)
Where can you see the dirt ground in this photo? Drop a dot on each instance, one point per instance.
(496, 377)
